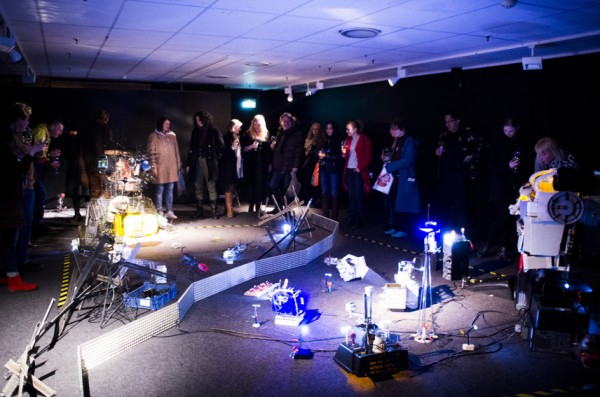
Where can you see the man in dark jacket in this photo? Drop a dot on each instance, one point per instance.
(459, 152)
(95, 139)
(206, 149)
(14, 168)
(287, 155)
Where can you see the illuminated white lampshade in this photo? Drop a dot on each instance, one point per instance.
(140, 225)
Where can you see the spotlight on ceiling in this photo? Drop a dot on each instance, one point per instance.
(7, 45)
(400, 74)
(288, 91)
(28, 77)
(15, 56)
(311, 91)
(532, 62)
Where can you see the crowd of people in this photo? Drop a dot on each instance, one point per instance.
(277, 166)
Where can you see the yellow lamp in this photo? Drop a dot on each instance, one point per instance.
(542, 181)
(140, 225)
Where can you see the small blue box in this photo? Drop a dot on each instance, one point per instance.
(164, 293)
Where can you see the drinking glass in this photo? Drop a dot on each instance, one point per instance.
(344, 147)
(387, 155)
(27, 136)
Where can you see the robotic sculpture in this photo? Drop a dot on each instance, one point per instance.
(546, 227)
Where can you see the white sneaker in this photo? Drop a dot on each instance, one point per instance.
(170, 215)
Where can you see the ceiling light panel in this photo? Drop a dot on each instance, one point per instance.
(249, 47)
(134, 39)
(156, 16)
(261, 6)
(239, 23)
(292, 28)
(195, 42)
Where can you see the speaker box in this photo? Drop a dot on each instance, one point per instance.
(551, 341)
(456, 260)
(374, 365)
(554, 313)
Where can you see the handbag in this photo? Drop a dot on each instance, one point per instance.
(384, 181)
(181, 189)
(315, 175)
(294, 187)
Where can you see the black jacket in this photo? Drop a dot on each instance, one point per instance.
(289, 150)
(213, 151)
(13, 172)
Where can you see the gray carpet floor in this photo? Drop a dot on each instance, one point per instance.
(217, 351)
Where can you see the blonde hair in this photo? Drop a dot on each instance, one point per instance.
(312, 139)
(548, 145)
(263, 134)
(233, 123)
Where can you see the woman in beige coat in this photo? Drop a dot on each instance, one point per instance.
(164, 155)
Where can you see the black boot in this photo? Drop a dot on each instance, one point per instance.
(213, 206)
(199, 213)
(502, 253)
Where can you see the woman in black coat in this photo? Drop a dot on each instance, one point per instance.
(257, 156)
(231, 166)
(204, 154)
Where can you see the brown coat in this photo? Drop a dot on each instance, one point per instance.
(164, 157)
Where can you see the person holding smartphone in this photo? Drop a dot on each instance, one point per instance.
(508, 166)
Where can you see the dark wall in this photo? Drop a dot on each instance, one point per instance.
(559, 101)
(133, 112)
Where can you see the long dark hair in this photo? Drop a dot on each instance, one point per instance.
(161, 120)
(205, 117)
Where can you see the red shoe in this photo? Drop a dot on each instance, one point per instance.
(15, 284)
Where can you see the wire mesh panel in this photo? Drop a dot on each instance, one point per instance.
(279, 263)
(107, 346)
(224, 280)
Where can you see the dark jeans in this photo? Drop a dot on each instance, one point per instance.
(8, 251)
(329, 181)
(355, 195)
(452, 199)
(279, 183)
(40, 191)
(25, 232)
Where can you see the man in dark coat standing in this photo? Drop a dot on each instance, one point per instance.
(14, 168)
(206, 149)
(288, 150)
